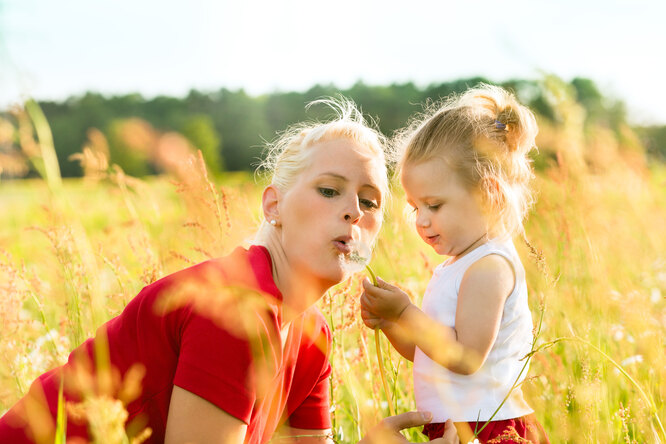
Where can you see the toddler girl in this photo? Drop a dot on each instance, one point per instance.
(465, 172)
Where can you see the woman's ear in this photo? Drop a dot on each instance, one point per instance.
(270, 201)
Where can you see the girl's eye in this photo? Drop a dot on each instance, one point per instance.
(327, 192)
(369, 204)
(434, 207)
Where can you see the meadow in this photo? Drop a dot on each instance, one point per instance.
(74, 251)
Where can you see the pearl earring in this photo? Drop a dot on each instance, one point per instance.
(273, 222)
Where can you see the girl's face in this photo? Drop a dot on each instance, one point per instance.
(448, 215)
(337, 199)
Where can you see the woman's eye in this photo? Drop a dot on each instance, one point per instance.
(369, 204)
(327, 192)
(434, 207)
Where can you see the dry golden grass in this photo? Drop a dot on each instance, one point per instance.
(73, 254)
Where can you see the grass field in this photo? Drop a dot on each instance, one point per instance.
(72, 256)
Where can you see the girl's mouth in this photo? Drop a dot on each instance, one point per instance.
(432, 240)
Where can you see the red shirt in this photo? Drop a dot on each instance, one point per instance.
(212, 329)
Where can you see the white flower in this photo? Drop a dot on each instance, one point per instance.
(615, 295)
(655, 295)
(617, 331)
(476, 441)
(632, 360)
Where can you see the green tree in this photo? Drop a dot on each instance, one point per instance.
(200, 131)
(131, 144)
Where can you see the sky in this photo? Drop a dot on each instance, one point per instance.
(51, 50)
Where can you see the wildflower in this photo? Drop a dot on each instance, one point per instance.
(655, 295)
(632, 360)
(106, 418)
(617, 332)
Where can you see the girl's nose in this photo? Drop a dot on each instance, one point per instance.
(422, 221)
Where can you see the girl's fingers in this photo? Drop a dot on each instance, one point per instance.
(376, 292)
(381, 283)
(365, 300)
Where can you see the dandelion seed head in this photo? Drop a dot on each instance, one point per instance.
(358, 258)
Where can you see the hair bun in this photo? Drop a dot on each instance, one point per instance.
(518, 125)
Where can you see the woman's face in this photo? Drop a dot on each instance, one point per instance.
(336, 200)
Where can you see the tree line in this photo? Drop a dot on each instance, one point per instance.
(231, 127)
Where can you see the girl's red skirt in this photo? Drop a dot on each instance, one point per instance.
(523, 430)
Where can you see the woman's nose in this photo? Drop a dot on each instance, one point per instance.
(353, 212)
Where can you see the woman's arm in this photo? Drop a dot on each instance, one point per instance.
(483, 291)
(386, 432)
(194, 420)
(290, 435)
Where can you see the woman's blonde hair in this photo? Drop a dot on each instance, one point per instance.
(485, 136)
(289, 155)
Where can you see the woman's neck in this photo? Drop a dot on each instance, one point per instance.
(299, 290)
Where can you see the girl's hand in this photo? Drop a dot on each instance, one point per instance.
(371, 320)
(383, 302)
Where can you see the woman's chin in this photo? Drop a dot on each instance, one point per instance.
(335, 275)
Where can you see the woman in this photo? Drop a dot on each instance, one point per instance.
(232, 349)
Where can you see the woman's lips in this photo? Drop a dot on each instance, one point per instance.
(342, 247)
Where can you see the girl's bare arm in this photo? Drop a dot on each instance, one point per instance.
(462, 349)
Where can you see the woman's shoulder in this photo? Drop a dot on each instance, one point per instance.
(242, 268)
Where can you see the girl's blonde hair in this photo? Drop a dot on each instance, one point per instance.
(485, 136)
(289, 155)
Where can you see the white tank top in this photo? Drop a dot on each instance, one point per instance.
(477, 396)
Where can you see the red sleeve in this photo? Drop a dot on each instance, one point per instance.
(217, 366)
(314, 412)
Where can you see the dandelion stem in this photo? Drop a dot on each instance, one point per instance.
(378, 349)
